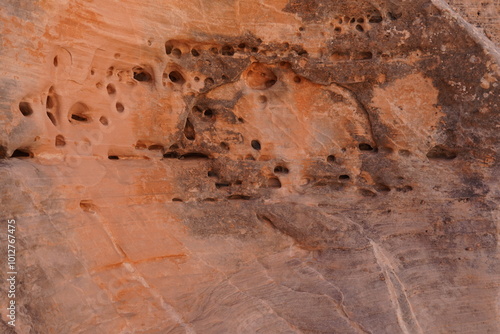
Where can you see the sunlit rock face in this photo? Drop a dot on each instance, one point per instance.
(276, 166)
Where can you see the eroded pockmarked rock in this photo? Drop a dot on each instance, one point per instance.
(251, 167)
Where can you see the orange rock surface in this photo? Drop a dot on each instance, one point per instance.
(263, 166)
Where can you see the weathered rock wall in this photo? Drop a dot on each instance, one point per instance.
(250, 166)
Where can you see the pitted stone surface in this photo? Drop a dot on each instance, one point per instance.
(274, 166)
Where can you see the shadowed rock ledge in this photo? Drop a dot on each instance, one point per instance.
(274, 166)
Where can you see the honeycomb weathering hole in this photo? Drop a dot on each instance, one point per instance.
(227, 50)
(78, 112)
(60, 141)
(208, 113)
(189, 132)
(194, 156)
(365, 147)
(103, 120)
(281, 170)
(120, 107)
(142, 75)
(168, 48)
(155, 147)
(274, 182)
(25, 108)
(171, 155)
(176, 77)
(21, 153)
(111, 89)
(255, 145)
(49, 103)
(51, 117)
(442, 153)
(87, 206)
(177, 53)
(79, 118)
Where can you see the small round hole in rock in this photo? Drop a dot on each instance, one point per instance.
(111, 89)
(113, 157)
(365, 147)
(176, 53)
(227, 50)
(211, 173)
(224, 146)
(25, 108)
(297, 79)
(177, 200)
(214, 50)
(60, 141)
(208, 113)
(255, 145)
(330, 158)
(262, 99)
(209, 82)
(274, 182)
(375, 19)
(120, 107)
(359, 27)
(344, 177)
(242, 45)
(103, 120)
(196, 79)
(55, 61)
(394, 16)
(338, 29)
(281, 170)
(110, 71)
(195, 53)
(176, 77)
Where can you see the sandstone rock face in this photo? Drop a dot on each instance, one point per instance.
(274, 166)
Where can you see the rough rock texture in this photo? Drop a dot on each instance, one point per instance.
(263, 166)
